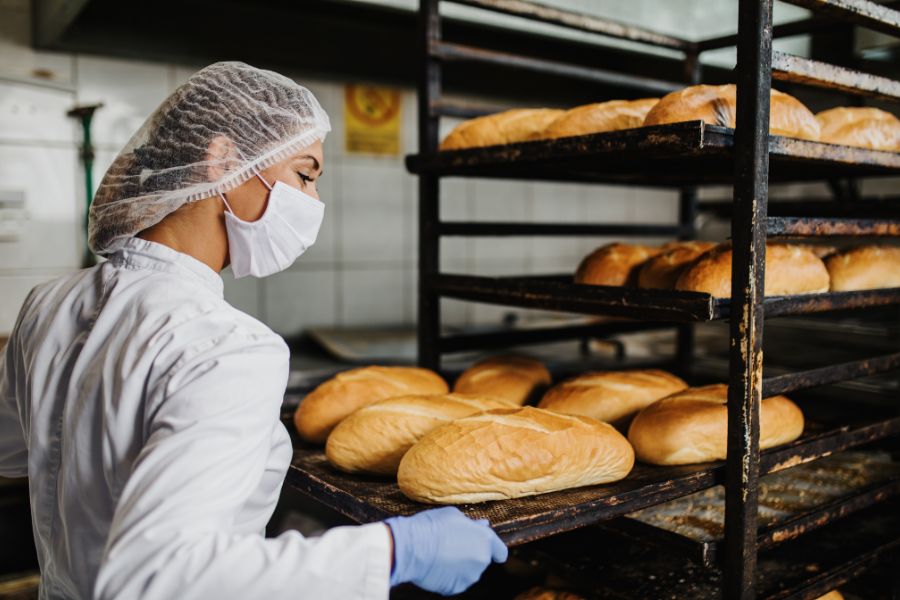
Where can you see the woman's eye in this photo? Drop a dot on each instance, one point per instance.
(304, 178)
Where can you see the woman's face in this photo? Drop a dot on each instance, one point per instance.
(302, 171)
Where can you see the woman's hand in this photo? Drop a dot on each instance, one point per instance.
(442, 550)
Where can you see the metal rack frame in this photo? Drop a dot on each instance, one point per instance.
(750, 152)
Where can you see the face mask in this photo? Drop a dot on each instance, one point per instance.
(272, 243)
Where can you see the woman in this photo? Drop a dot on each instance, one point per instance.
(144, 409)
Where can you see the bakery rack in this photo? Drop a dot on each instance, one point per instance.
(680, 156)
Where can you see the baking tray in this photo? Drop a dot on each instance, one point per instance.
(559, 292)
(676, 154)
(791, 503)
(612, 567)
(368, 499)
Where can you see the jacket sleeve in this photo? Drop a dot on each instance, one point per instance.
(209, 438)
(13, 451)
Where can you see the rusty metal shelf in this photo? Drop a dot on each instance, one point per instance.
(792, 503)
(862, 12)
(602, 564)
(557, 292)
(367, 499)
(665, 155)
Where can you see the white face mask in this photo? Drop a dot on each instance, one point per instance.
(272, 243)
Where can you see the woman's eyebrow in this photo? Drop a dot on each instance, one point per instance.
(313, 159)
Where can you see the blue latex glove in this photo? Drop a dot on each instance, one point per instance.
(442, 550)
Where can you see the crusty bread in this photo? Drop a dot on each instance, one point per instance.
(346, 392)
(375, 438)
(789, 270)
(864, 127)
(717, 105)
(864, 268)
(540, 593)
(507, 127)
(692, 426)
(611, 396)
(613, 264)
(512, 453)
(832, 595)
(513, 378)
(662, 271)
(600, 117)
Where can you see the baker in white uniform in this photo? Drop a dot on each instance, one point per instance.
(144, 409)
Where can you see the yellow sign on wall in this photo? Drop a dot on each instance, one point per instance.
(372, 120)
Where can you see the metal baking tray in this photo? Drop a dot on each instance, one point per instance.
(676, 154)
(791, 503)
(517, 521)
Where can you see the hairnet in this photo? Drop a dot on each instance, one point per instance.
(256, 117)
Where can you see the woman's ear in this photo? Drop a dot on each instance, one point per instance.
(221, 155)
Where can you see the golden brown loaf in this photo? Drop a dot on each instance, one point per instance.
(600, 117)
(691, 426)
(514, 378)
(832, 595)
(375, 438)
(512, 453)
(611, 396)
(716, 105)
(662, 271)
(789, 270)
(864, 268)
(613, 264)
(517, 125)
(346, 392)
(864, 127)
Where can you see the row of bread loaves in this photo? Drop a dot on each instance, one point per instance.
(870, 128)
(706, 267)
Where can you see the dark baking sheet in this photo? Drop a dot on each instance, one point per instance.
(676, 154)
(367, 499)
(791, 503)
(558, 292)
(610, 566)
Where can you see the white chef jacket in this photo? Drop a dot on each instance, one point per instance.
(144, 410)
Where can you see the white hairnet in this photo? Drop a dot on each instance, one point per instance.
(256, 117)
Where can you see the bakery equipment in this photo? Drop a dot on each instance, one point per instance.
(680, 156)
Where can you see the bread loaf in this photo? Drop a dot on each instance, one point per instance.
(517, 125)
(512, 453)
(789, 270)
(717, 104)
(375, 438)
(600, 117)
(864, 268)
(832, 595)
(611, 396)
(864, 127)
(513, 378)
(662, 271)
(343, 394)
(692, 426)
(613, 264)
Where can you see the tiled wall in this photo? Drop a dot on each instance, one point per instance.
(361, 271)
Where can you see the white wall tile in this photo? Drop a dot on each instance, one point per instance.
(372, 297)
(297, 300)
(501, 201)
(244, 294)
(129, 90)
(653, 206)
(52, 233)
(35, 114)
